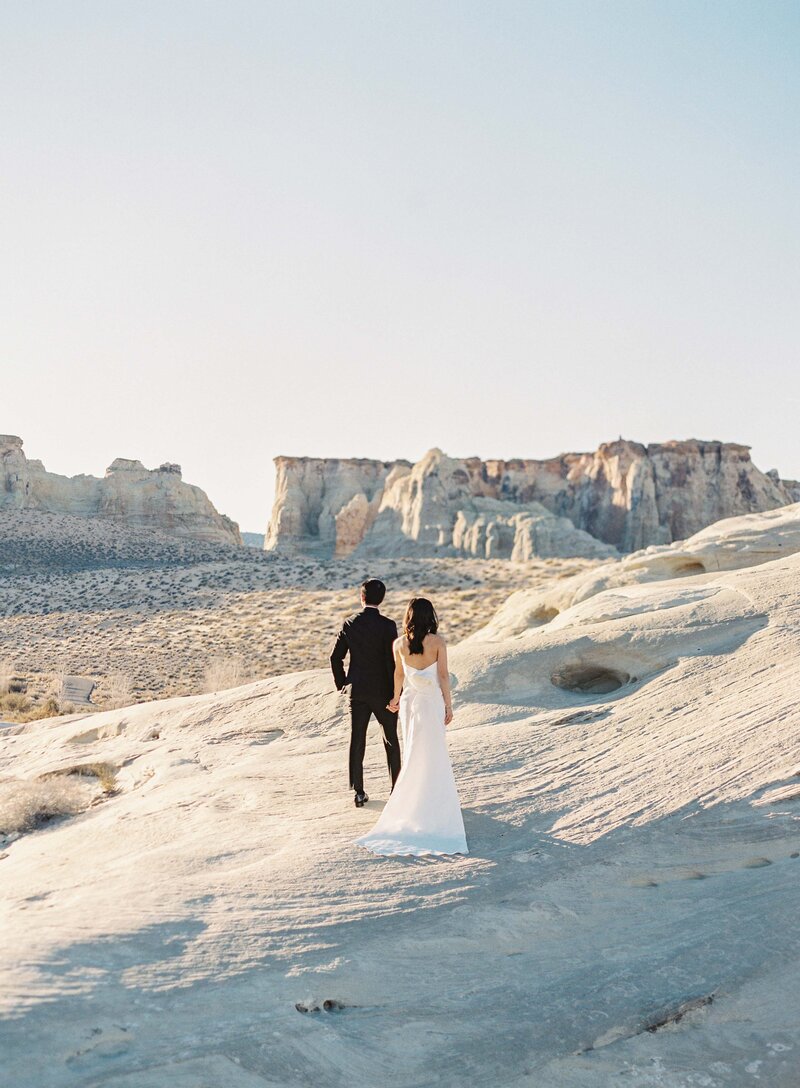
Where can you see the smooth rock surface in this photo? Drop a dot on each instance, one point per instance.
(609, 925)
(730, 544)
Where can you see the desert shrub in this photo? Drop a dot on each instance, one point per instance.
(10, 682)
(57, 685)
(119, 690)
(27, 805)
(224, 672)
(104, 773)
(14, 702)
(7, 672)
(50, 708)
(19, 708)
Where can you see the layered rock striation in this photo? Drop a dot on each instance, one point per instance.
(312, 493)
(128, 494)
(623, 497)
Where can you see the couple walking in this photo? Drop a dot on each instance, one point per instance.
(407, 676)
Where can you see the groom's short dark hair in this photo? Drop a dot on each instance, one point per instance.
(373, 591)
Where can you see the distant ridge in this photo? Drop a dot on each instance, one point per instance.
(253, 540)
(128, 494)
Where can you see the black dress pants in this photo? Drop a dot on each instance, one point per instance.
(361, 710)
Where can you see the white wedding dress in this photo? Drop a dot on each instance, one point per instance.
(423, 813)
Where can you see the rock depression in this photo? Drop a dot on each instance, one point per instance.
(128, 494)
(623, 497)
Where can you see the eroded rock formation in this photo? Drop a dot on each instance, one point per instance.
(311, 492)
(624, 496)
(128, 494)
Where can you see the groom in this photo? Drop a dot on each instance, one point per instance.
(368, 637)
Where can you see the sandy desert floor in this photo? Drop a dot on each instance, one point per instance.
(93, 601)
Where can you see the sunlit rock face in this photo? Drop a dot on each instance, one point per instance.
(623, 497)
(128, 494)
(13, 473)
(311, 493)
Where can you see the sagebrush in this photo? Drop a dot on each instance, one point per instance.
(16, 707)
(225, 672)
(119, 690)
(7, 671)
(26, 805)
(104, 773)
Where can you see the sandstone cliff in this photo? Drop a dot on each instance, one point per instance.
(624, 496)
(128, 494)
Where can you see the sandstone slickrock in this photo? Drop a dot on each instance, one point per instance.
(128, 494)
(625, 496)
(731, 544)
(625, 776)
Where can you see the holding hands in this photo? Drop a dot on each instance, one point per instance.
(394, 707)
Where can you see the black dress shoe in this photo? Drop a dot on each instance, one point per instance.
(361, 799)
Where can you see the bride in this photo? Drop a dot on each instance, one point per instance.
(423, 813)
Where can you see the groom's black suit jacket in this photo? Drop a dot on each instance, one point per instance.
(367, 637)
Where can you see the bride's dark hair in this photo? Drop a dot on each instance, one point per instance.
(420, 620)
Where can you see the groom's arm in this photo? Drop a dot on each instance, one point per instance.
(338, 654)
(390, 659)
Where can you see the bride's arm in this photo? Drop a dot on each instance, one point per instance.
(444, 680)
(399, 678)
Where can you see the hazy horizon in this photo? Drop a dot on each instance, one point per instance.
(358, 230)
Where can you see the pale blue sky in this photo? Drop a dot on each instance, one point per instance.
(236, 229)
